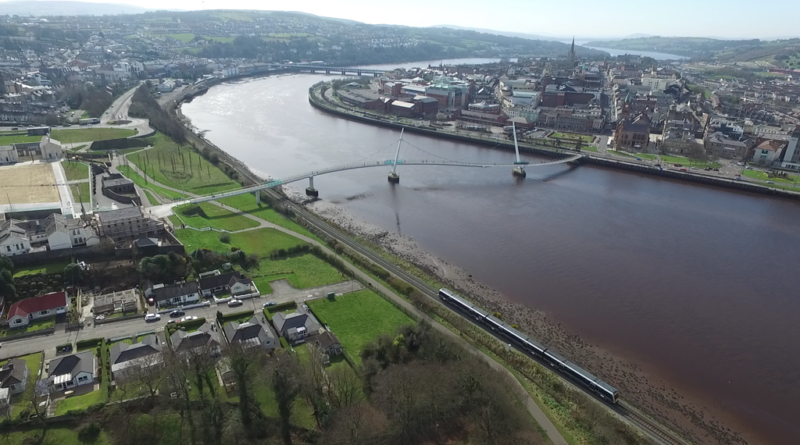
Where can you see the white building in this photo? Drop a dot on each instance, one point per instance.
(51, 149)
(13, 239)
(8, 154)
(791, 157)
(64, 233)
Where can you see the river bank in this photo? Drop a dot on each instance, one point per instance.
(613, 207)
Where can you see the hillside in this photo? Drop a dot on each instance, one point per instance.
(59, 8)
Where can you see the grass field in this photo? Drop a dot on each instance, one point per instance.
(18, 139)
(260, 242)
(359, 318)
(220, 39)
(182, 37)
(90, 134)
(302, 413)
(586, 139)
(52, 436)
(75, 170)
(28, 184)
(80, 192)
(54, 267)
(139, 180)
(180, 167)
(216, 217)
(301, 271)
(247, 203)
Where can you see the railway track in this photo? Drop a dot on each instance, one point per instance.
(653, 429)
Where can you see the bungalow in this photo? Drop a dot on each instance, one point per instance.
(13, 239)
(25, 311)
(295, 327)
(176, 294)
(203, 340)
(328, 344)
(71, 370)
(253, 333)
(125, 358)
(14, 376)
(215, 282)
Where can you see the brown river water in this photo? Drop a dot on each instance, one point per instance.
(700, 284)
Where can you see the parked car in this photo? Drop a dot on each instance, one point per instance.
(176, 313)
(770, 182)
(152, 317)
(684, 170)
(100, 317)
(678, 165)
(151, 301)
(188, 318)
(269, 303)
(235, 303)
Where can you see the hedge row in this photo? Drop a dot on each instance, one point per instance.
(89, 342)
(232, 316)
(121, 143)
(190, 324)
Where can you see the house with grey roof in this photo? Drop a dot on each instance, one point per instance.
(253, 333)
(176, 294)
(295, 327)
(14, 376)
(70, 371)
(126, 359)
(13, 239)
(204, 340)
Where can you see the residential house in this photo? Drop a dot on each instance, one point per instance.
(328, 344)
(204, 340)
(128, 223)
(253, 333)
(70, 371)
(122, 301)
(214, 282)
(127, 359)
(8, 154)
(65, 233)
(14, 376)
(295, 327)
(25, 311)
(176, 294)
(13, 239)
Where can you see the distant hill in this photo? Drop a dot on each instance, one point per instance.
(500, 33)
(56, 8)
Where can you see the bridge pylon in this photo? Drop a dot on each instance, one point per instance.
(518, 171)
(310, 190)
(394, 178)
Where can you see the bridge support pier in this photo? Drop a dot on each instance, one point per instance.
(394, 178)
(258, 197)
(519, 172)
(310, 190)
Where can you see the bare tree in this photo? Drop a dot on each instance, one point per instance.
(285, 380)
(357, 425)
(344, 387)
(149, 373)
(243, 364)
(179, 378)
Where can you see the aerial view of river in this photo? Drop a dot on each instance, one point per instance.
(698, 283)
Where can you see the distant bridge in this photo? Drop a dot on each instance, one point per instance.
(334, 70)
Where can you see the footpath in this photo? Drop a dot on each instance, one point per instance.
(536, 412)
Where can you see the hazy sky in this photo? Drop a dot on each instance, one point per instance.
(583, 18)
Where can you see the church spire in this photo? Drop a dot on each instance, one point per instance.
(571, 55)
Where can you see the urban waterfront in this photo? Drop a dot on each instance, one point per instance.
(695, 282)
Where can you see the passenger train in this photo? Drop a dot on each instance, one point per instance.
(529, 345)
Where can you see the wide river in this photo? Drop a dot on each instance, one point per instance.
(701, 283)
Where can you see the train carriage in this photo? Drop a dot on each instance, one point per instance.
(554, 358)
(607, 391)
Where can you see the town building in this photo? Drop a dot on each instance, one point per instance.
(790, 159)
(717, 145)
(254, 333)
(23, 312)
(50, 149)
(127, 224)
(426, 106)
(8, 154)
(572, 119)
(678, 138)
(766, 151)
(631, 135)
(117, 184)
(13, 239)
(71, 371)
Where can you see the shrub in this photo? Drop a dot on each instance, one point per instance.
(224, 238)
(192, 210)
(89, 432)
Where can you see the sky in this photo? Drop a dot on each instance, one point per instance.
(585, 19)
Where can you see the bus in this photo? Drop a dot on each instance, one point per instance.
(89, 121)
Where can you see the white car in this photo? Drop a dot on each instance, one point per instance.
(188, 318)
(234, 303)
(152, 317)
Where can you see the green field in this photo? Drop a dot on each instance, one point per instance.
(75, 170)
(215, 217)
(220, 39)
(80, 192)
(180, 167)
(302, 412)
(90, 134)
(139, 180)
(301, 271)
(181, 37)
(247, 203)
(585, 138)
(53, 436)
(8, 140)
(359, 318)
(54, 267)
(259, 242)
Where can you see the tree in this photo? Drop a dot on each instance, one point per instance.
(285, 383)
(149, 374)
(72, 273)
(344, 387)
(243, 365)
(7, 287)
(357, 425)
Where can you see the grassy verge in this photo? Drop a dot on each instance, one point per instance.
(358, 318)
(689, 162)
(90, 134)
(215, 217)
(77, 148)
(140, 181)
(247, 203)
(151, 198)
(180, 167)
(80, 192)
(53, 267)
(585, 138)
(75, 170)
(32, 327)
(18, 139)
